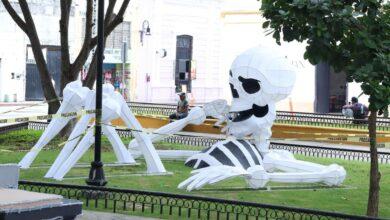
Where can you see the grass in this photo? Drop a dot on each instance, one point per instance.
(351, 198)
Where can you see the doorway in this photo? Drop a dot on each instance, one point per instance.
(34, 90)
(183, 63)
(330, 89)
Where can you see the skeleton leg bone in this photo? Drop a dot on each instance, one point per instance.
(120, 150)
(74, 96)
(74, 137)
(332, 175)
(285, 161)
(153, 161)
(78, 152)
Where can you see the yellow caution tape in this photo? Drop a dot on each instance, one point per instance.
(47, 117)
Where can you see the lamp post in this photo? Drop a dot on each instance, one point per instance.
(96, 174)
(145, 30)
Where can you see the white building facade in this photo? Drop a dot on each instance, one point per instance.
(175, 45)
(219, 30)
(15, 54)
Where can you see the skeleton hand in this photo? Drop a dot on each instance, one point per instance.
(218, 109)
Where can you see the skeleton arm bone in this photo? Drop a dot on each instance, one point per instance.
(196, 116)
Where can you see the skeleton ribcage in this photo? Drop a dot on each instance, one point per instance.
(238, 153)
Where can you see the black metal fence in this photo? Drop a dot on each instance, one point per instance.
(283, 117)
(13, 127)
(173, 206)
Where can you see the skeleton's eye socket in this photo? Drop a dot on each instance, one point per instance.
(234, 91)
(250, 85)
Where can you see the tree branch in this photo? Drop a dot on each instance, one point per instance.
(46, 80)
(109, 12)
(84, 52)
(18, 20)
(112, 23)
(64, 26)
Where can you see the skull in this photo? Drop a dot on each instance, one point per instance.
(258, 78)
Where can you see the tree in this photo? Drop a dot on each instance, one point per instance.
(351, 36)
(69, 70)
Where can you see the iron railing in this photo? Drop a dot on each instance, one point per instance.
(168, 205)
(283, 117)
(13, 127)
(300, 149)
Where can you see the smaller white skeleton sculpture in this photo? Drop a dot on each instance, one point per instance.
(259, 78)
(120, 150)
(114, 106)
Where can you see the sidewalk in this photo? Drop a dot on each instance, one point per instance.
(91, 215)
(26, 103)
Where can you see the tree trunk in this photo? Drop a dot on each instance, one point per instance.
(45, 78)
(91, 75)
(373, 196)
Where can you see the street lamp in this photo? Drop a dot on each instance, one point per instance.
(96, 174)
(145, 30)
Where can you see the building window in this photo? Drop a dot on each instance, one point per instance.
(183, 63)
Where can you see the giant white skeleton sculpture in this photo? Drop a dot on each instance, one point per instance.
(259, 78)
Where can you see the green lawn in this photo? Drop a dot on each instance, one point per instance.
(350, 198)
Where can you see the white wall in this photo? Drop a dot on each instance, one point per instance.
(221, 30)
(243, 30)
(13, 43)
(168, 19)
(13, 57)
(354, 90)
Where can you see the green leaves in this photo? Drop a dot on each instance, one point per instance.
(351, 35)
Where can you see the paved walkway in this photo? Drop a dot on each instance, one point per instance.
(90, 215)
(18, 110)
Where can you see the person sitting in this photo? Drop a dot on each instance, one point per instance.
(181, 109)
(359, 111)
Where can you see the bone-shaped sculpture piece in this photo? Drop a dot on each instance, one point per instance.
(153, 161)
(257, 177)
(196, 116)
(74, 96)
